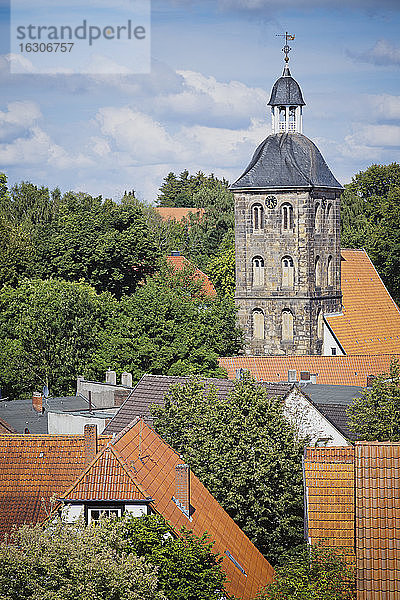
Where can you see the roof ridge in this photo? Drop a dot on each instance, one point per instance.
(127, 471)
(85, 470)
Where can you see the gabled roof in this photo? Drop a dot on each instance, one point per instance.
(33, 469)
(177, 213)
(151, 464)
(370, 323)
(152, 389)
(343, 370)
(178, 263)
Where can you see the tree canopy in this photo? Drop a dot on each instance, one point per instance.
(376, 414)
(371, 220)
(246, 454)
(312, 573)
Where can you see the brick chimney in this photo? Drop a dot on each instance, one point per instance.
(90, 442)
(37, 401)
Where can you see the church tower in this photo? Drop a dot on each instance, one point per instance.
(287, 235)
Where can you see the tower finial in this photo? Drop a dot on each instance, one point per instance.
(286, 48)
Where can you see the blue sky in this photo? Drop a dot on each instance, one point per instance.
(203, 106)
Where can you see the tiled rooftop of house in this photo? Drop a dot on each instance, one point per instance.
(177, 213)
(152, 389)
(180, 262)
(151, 464)
(33, 468)
(331, 370)
(353, 501)
(370, 323)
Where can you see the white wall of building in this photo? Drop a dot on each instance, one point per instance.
(309, 422)
(329, 343)
(67, 423)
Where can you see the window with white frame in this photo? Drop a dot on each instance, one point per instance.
(94, 514)
(258, 271)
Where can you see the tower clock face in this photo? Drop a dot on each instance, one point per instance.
(270, 202)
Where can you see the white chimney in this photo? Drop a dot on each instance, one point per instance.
(111, 377)
(126, 379)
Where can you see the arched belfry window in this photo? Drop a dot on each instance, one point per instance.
(258, 324)
(287, 216)
(329, 268)
(282, 119)
(317, 217)
(287, 272)
(318, 272)
(258, 271)
(287, 326)
(257, 212)
(292, 118)
(320, 324)
(329, 218)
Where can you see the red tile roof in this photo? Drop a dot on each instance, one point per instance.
(178, 214)
(344, 370)
(33, 468)
(356, 492)
(180, 262)
(370, 323)
(151, 463)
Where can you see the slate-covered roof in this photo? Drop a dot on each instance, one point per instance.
(180, 262)
(286, 91)
(332, 370)
(370, 323)
(332, 401)
(286, 160)
(6, 427)
(33, 468)
(151, 464)
(169, 213)
(152, 389)
(20, 414)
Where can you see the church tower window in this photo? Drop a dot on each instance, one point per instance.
(258, 217)
(258, 271)
(329, 269)
(317, 217)
(329, 218)
(318, 272)
(258, 324)
(287, 216)
(287, 326)
(287, 272)
(320, 325)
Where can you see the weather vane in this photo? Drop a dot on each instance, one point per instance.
(286, 48)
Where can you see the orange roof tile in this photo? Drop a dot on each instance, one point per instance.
(329, 483)
(377, 467)
(178, 214)
(33, 468)
(180, 262)
(343, 370)
(151, 464)
(370, 323)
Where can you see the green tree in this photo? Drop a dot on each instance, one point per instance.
(376, 414)
(221, 268)
(312, 573)
(170, 327)
(49, 331)
(70, 562)
(188, 569)
(371, 219)
(245, 452)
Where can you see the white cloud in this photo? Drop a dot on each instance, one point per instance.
(20, 113)
(382, 53)
(385, 106)
(380, 135)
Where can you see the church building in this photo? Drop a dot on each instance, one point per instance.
(287, 235)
